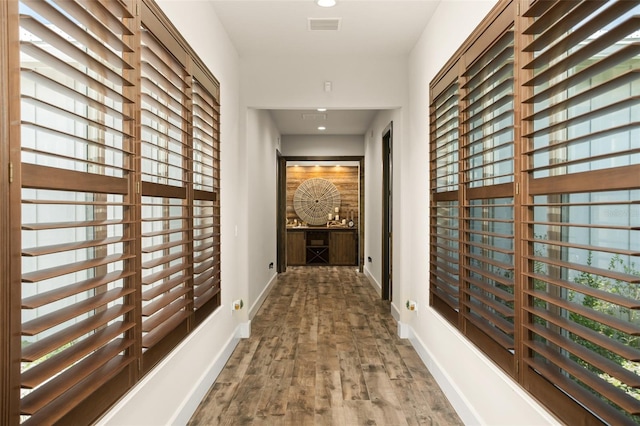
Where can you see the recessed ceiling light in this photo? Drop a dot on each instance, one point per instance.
(321, 109)
(326, 3)
(322, 128)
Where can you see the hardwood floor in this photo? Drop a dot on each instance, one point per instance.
(324, 351)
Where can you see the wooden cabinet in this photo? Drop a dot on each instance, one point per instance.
(342, 248)
(296, 248)
(317, 247)
(322, 246)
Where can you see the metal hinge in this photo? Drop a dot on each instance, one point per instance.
(137, 187)
(517, 366)
(518, 9)
(10, 172)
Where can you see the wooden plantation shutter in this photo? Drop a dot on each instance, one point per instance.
(167, 228)
(546, 201)
(472, 274)
(582, 154)
(206, 204)
(76, 143)
(487, 234)
(115, 151)
(10, 249)
(445, 206)
(180, 187)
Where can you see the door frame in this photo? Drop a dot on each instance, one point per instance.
(387, 212)
(281, 213)
(281, 232)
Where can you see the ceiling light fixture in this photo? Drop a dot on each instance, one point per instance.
(322, 128)
(321, 109)
(326, 3)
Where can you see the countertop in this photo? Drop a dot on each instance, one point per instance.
(321, 228)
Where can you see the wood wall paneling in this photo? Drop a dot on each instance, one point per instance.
(345, 178)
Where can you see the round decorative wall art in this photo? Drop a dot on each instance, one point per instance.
(315, 199)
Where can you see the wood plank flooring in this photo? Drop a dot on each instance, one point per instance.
(324, 351)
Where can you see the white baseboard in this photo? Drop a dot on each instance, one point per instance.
(404, 330)
(263, 296)
(376, 285)
(208, 378)
(243, 331)
(462, 406)
(395, 312)
(137, 407)
(523, 409)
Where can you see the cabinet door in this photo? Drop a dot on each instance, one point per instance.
(342, 248)
(296, 254)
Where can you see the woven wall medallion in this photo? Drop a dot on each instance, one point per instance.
(315, 199)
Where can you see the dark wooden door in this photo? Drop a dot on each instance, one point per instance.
(342, 248)
(387, 212)
(296, 248)
(281, 230)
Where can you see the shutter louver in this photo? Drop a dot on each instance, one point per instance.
(583, 154)
(445, 211)
(547, 206)
(76, 149)
(206, 209)
(166, 223)
(472, 267)
(114, 156)
(488, 219)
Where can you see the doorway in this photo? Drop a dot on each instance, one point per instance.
(281, 215)
(387, 212)
(281, 233)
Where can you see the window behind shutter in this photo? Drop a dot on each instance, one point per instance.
(167, 228)
(206, 208)
(77, 137)
(472, 274)
(115, 152)
(545, 205)
(488, 220)
(582, 147)
(445, 209)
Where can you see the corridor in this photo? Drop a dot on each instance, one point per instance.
(324, 351)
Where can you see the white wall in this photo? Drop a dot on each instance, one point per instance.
(359, 82)
(171, 392)
(323, 145)
(480, 392)
(373, 194)
(262, 141)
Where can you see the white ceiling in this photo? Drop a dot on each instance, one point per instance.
(280, 28)
(337, 122)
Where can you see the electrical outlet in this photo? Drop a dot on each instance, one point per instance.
(369, 259)
(412, 305)
(271, 265)
(237, 305)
